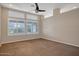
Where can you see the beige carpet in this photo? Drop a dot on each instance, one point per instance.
(38, 47)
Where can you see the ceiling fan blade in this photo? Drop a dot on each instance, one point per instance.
(37, 7)
(41, 10)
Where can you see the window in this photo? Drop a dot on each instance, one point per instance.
(16, 26)
(19, 25)
(12, 27)
(32, 24)
(16, 23)
(32, 27)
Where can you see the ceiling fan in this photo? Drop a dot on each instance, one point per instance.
(37, 8)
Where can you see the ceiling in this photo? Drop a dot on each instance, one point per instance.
(30, 7)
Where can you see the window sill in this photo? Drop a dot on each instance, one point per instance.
(21, 34)
(16, 34)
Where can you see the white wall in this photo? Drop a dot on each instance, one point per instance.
(63, 28)
(0, 24)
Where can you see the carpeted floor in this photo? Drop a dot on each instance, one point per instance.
(38, 47)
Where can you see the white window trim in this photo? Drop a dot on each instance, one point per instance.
(25, 32)
(37, 21)
(15, 34)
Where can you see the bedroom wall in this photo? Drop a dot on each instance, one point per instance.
(0, 25)
(63, 28)
(9, 39)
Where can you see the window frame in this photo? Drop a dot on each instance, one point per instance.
(37, 22)
(17, 33)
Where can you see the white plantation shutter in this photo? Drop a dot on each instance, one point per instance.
(16, 14)
(33, 17)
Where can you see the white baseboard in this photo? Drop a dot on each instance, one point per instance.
(17, 40)
(53, 39)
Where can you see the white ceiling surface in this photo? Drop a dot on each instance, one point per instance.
(30, 7)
